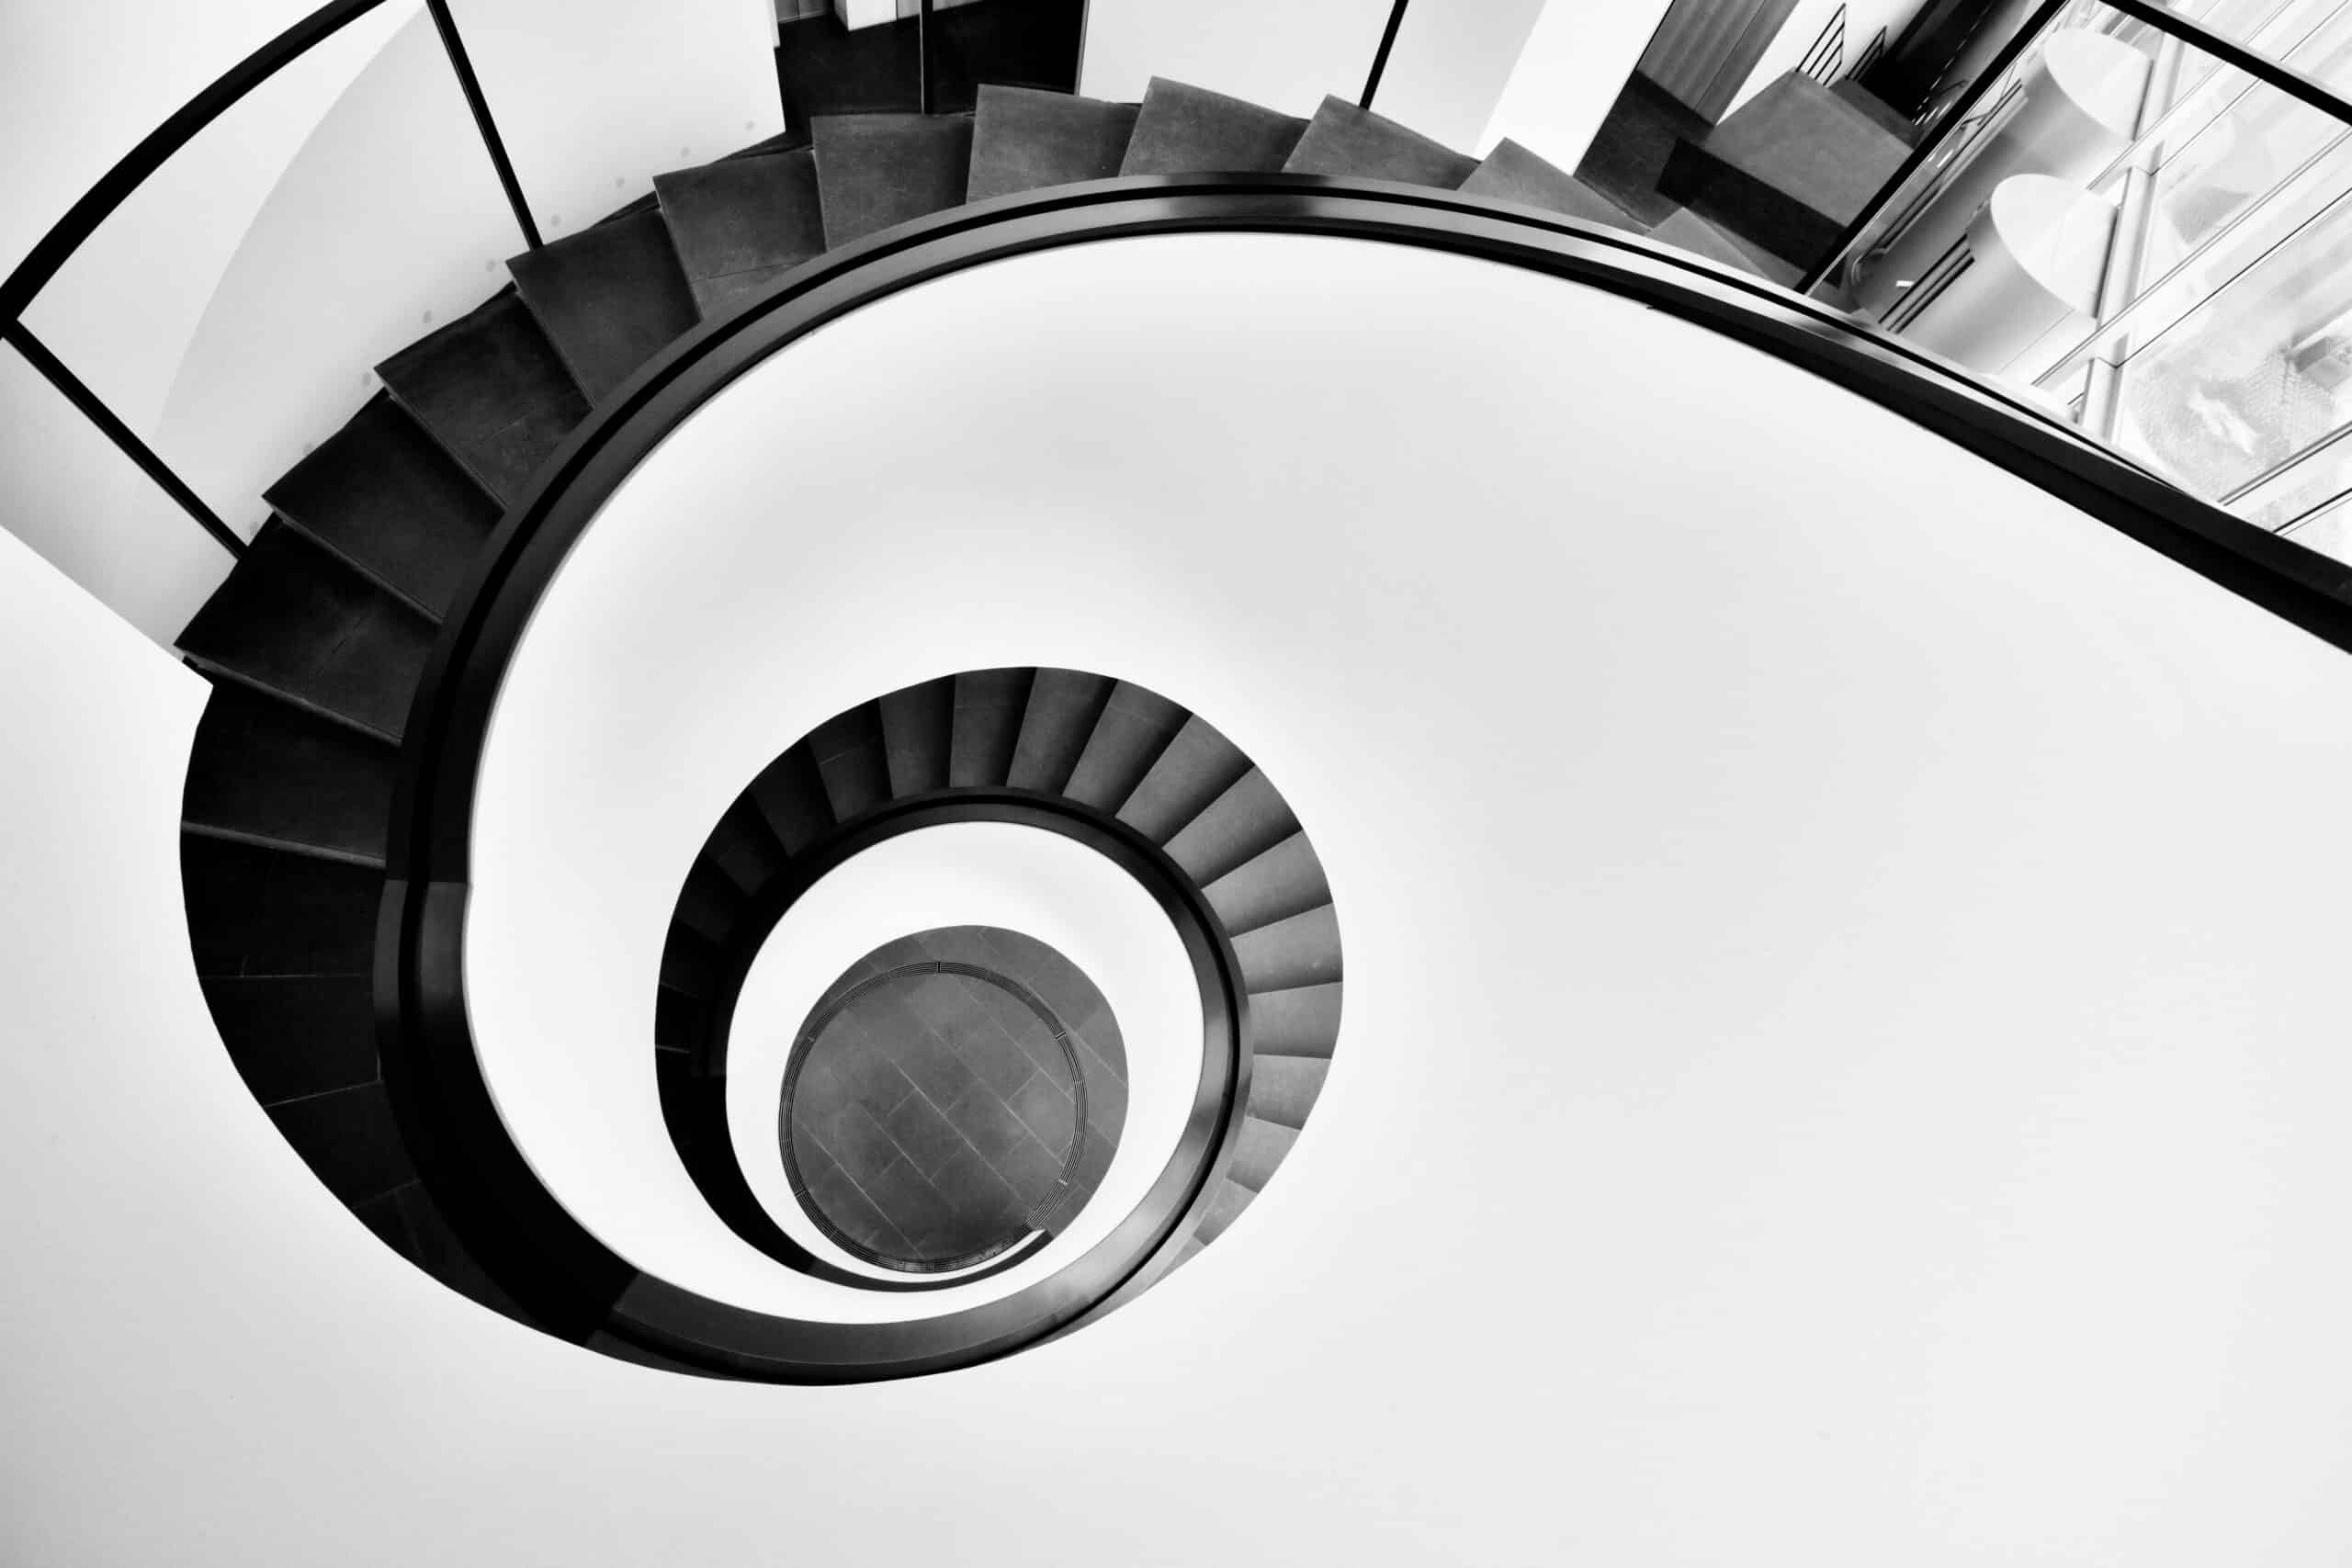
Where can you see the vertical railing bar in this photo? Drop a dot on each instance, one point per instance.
(925, 89)
(1380, 55)
(470, 84)
(36, 352)
(1954, 115)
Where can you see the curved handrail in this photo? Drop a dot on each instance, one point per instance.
(52, 250)
(436, 1080)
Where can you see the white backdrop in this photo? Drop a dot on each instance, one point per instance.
(1844, 1052)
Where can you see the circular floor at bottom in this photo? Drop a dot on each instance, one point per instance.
(953, 1091)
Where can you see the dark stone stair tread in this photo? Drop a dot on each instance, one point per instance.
(350, 1140)
(1786, 171)
(1261, 1146)
(1197, 767)
(1343, 140)
(1063, 705)
(1511, 173)
(1685, 230)
(689, 964)
(1183, 129)
(273, 771)
(918, 725)
(1301, 951)
(1245, 821)
(874, 171)
(850, 757)
(988, 706)
(493, 390)
(609, 299)
(1282, 1090)
(791, 796)
(1286, 880)
(709, 904)
(252, 910)
(1878, 111)
(741, 223)
(386, 497)
(744, 848)
(295, 620)
(1301, 1022)
(296, 1035)
(1028, 139)
(1135, 727)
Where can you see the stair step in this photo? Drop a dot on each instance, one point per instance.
(1282, 1090)
(689, 964)
(291, 1035)
(384, 496)
(434, 1246)
(1685, 230)
(1244, 822)
(1343, 140)
(1511, 173)
(491, 388)
(1028, 139)
(261, 911)
(1183, 129)
(988, 705)
(741, 223)
(744, 851)
(1261, 1146)
(1301, 1022)
(849, 752)
(294, 620)
(1786, 171)
(1878, 111)
(350, 1139)
(1135, 727)
(1286, 880)
(874, 170)
(1226, 1207)
(1301, 951)
(1064, 706)
(918, 724)
(269, 770)
(709, 904)
(790, 793)
(609, 299)
(1198, 766)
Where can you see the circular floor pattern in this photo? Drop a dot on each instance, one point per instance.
(952, 1093)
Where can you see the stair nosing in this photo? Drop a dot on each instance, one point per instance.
(213, 669)
(319, 541)
(284, 846)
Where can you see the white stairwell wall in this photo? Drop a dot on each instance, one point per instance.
(230, 311)
(1571, 69)
(1844, 1001)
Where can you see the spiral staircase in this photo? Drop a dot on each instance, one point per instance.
(317, 642)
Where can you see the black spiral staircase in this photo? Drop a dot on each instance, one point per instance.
(1106, 752)
(317, 641)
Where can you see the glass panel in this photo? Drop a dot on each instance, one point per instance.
(229, 311)
(2328, 532)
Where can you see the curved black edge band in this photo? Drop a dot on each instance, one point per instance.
(574, 1284)
(693, 1104)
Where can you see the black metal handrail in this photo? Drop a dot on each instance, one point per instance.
(89, 213)
(445, 1108)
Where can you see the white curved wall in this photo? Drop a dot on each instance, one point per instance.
(1844, 993)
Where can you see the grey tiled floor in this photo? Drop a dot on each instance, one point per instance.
(934, 1117)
